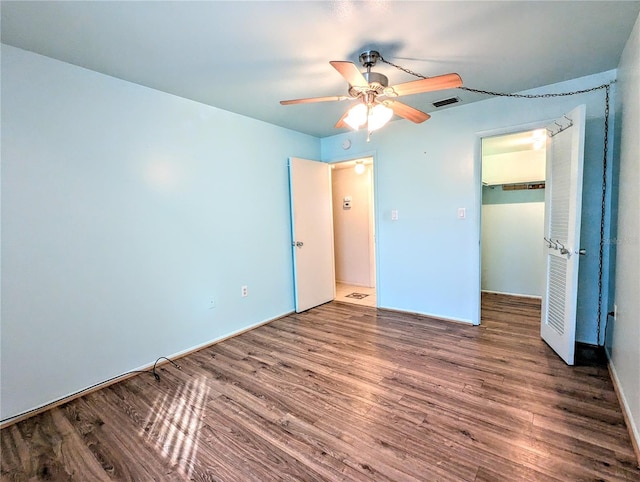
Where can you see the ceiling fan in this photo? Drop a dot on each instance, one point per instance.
(377, 99)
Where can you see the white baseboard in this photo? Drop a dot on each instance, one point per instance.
(119, 378)
(512, 294)
(428, 315)
(626, 411)
(350, 283)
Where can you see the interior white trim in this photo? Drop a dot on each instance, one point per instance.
(477, 178)
(519, 295)
(634, 433)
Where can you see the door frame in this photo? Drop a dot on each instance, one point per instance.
(374, 174)
(501, 131)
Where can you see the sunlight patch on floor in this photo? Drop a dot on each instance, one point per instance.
(173, 425)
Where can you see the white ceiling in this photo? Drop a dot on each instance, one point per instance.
(247, 56)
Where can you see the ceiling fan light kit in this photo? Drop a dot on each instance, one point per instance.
(374, 117)
(376, 98)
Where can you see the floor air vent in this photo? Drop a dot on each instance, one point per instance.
(443, 102)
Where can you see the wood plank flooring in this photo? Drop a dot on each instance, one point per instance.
(344, 392)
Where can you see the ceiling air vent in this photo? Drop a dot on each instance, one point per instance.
(449, 101)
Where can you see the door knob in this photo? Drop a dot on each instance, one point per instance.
(299, 244)
(581, 252)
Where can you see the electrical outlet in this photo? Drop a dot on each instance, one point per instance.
(244, 291)
(212, 303)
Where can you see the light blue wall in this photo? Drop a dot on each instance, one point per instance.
(428, 260)
(590, 233)
(513, 258)
(124, 210)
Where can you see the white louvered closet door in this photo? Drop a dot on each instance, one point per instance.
(563, 203)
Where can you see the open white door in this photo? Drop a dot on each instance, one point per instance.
(563, 206)
(312, 233)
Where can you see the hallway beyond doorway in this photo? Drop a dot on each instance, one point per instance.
(345, 293)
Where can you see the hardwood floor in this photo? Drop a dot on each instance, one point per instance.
(344, 392)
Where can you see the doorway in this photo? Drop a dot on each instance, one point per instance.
(354, 231)
(513, 209)
(564, 145)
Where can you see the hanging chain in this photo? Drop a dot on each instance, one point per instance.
(604, 205)
(410, 72)
(504, 94)
(607, 88)
(535, 96)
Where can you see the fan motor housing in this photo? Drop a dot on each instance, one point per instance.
(376, 78)
(377, 83)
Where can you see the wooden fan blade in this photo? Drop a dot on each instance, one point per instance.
(341, 123)
(441, 82)
(314, 99)
(406, 111)
(350, 72)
